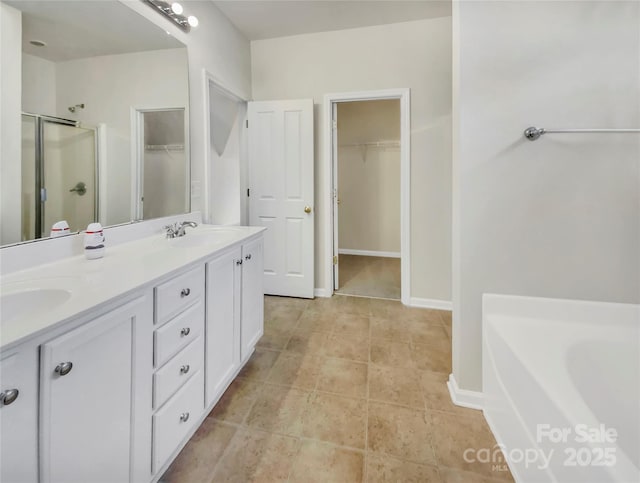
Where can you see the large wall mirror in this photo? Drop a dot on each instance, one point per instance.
(104, 124)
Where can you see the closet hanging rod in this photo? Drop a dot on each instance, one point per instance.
(532, 133)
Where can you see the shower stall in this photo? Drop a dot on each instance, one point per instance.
(59, 174)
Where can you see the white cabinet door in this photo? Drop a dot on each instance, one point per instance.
(281, 192)
(86, 403)
(252, 323)
(19, 415)
(224, 275)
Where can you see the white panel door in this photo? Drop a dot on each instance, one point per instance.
(281, 192)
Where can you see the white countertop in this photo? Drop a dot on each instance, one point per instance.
(92, 283)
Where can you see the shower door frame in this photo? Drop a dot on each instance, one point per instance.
(39, 162)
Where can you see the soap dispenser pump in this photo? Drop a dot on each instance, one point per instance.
(94, 242)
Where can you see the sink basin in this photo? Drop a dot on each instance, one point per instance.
(206, 236)
(28, 302)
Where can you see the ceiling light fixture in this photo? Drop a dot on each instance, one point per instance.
(173, 11)
(40, 43)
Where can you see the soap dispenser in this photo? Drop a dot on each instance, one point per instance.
(94, 242)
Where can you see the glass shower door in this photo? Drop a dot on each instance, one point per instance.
(68, 166)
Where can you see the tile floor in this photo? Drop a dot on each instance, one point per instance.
(370, 276)
(342, 390)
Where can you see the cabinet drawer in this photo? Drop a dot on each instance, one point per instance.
(177, 371)
(177, 333)
(172, 423)
(178, 293)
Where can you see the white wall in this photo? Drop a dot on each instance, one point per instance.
(110, 86)
(411, 54)
(558, 217)
(217, 46)
(10, 124)
(38, 85)
(369, 176)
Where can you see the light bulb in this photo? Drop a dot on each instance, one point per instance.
(193, 21)
(176, 8)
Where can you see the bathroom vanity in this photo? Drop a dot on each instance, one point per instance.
(108, 367)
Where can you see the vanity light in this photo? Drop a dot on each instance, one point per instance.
(173, 11)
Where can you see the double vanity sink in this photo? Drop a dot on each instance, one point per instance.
(38, 297)
(138, 346)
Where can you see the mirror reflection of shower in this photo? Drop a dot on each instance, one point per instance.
(59, 171)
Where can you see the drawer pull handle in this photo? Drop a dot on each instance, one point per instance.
(64, 368)
(184, 417)
(248, 257)
(239, 262)
(9, 396)
(184, 369)
(185, 331)
(185, 292)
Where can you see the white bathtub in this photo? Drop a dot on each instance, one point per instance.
(555, 372)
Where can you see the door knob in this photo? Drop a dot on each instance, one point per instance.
(307, 209)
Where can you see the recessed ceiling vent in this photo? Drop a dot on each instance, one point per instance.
(38, 43)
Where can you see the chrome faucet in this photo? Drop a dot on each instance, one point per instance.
(182, 227)
(179, 229)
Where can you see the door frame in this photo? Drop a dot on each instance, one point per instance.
(208, 79)
(330, 172)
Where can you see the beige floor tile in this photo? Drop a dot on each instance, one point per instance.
(291, 302)
(295, 370)
(385, 469)
(275, 339)
(279, 409)
(436, 394)
(400, 432)
(353, 305)
(453, 434)
(396, 385)
(336, 419)
(318, 321)
(391, 353)
(326, 463)
(370, 276)
(431, 358)
(429, 334)
(348, 346)
(343, 377)
(395, 310)
(307, 343)
(237, 400)
(197, 461)
(284, 318)
(352, 324)
(259, 365)
(445, 315)
(257, 456)
(390, 329)
(450, 475)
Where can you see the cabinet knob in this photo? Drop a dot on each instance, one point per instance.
(64, 368)
(184, 417)
(185, 292)
(184, 369)
(248, 257)
(238, 262)
(9, 396)
(185, 331)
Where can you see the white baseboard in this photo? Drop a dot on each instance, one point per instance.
(368, 253)
(321, 292)
(430, 303)
(464, 397)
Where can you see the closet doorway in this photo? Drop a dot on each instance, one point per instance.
(369, 160)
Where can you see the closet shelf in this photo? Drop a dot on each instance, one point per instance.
(377, 144)
(164, 147)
